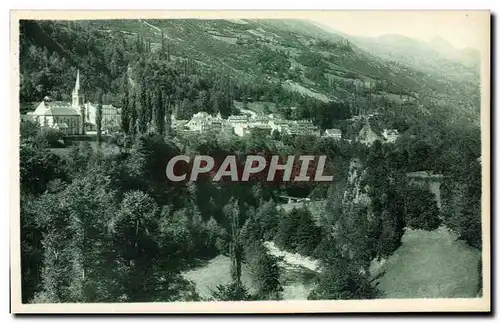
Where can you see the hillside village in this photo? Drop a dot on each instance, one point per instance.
(79, 118)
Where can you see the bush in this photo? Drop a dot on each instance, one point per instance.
(341, 281)
(231, 292)
(53, 137)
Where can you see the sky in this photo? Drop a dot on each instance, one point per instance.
(459, 28)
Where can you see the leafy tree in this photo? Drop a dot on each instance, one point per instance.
(77, 262)
(135, 235)
(50, 137)
(266, 109)
(421, 210)
(32, 249)
(38, 166)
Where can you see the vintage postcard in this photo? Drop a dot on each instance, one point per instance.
(250, 162)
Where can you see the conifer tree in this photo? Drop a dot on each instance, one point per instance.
(98, 117)
(125, 110)
(159, 110)
(142, 113)
(132, 108)
(267, 275)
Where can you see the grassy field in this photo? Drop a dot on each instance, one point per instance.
(107, 149)
(217, 271)
(257, 107)
(427, 265)
(213, 273)
(430, 265)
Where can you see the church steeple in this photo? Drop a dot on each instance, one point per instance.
(78, 102)
(77, 84)
(78, 98)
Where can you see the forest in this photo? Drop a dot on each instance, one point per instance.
(100, 225)
(96, 224)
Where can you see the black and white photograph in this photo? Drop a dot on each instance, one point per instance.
(260, 158)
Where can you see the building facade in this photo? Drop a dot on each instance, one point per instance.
(75, 117)
(333, 133)
(390, 135)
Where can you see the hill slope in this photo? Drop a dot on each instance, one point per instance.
(300, 56)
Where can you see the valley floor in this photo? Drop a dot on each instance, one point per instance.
(427, 265)
(217, 271)
(430, 265)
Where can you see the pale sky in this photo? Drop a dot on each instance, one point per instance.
(459, 28)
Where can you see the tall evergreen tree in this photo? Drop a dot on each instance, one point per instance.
(142, 111)
(133, 113)
(98, 117)
(233, 213)
(159, 109)
(266, 273)
(125, 107)
(162, 49)
(307, 233)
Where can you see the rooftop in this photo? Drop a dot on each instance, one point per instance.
(55, 108)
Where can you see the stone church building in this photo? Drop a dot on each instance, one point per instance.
(76, 117)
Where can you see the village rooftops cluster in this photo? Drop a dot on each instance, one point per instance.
(245, 124)
(79, 117)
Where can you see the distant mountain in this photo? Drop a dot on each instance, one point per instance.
(442, 46)
(467, 56)
(436, 57)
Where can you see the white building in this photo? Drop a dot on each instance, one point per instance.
(202, 121)
(75, 117)
(260, 120)
(390, 135)
(65, 116)
(238, 119)
(241, 130)
(111, 116)
(333, 133)
(58, 115)
(279, 125)
(246, 129)
(303, 127)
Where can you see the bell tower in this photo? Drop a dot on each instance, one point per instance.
(78, 97)
(78, 103)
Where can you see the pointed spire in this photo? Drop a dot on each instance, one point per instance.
(78, 97)
(77, 83)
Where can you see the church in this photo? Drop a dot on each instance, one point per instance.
(76, 117)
